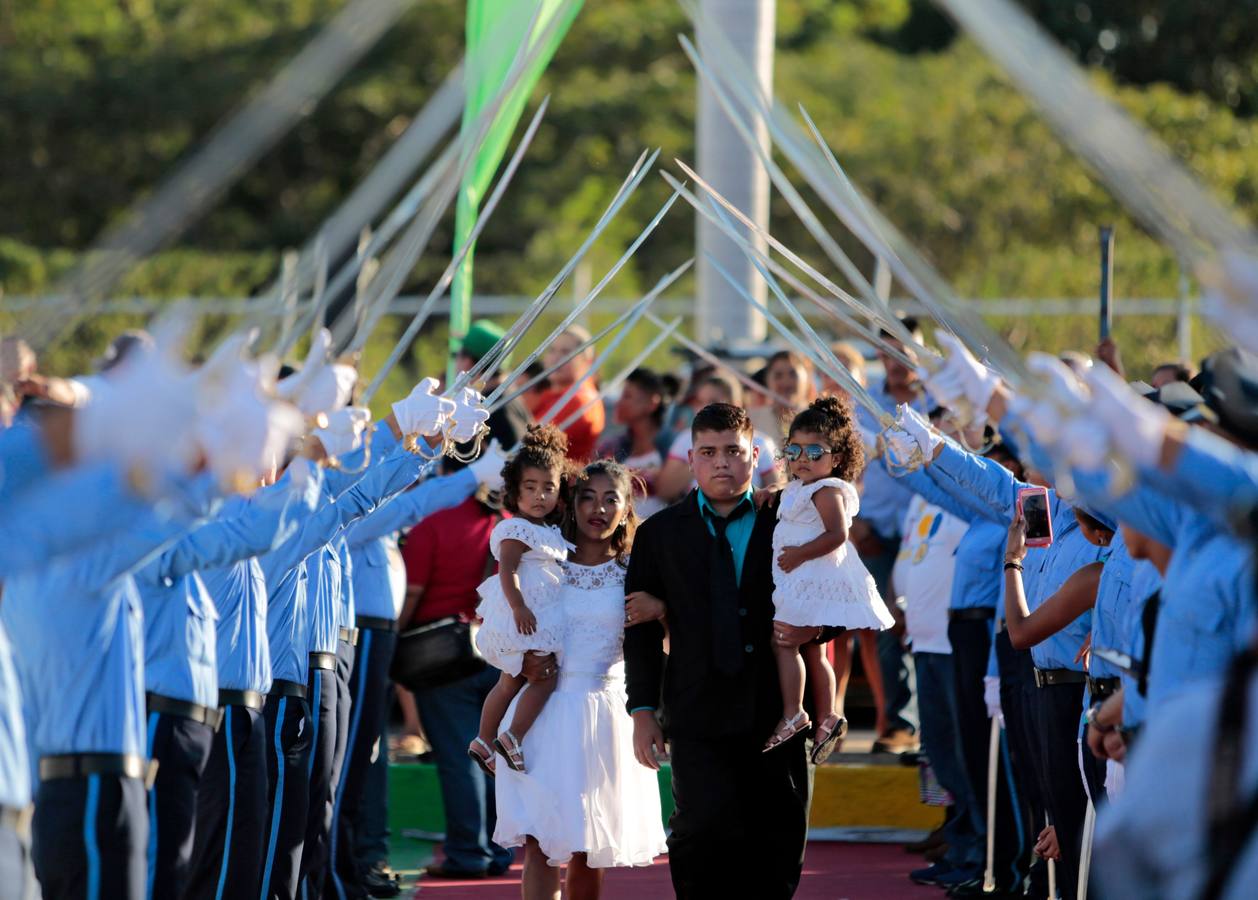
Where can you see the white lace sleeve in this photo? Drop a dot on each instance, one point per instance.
(851, 500)
(514, 530)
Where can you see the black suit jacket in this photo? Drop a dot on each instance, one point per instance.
(670, 560)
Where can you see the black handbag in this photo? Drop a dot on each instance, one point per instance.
(436, 653)
(440, 652)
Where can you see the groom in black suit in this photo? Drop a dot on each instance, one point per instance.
(741, 815)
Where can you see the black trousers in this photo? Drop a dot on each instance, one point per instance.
(369, 692)
(1017, 696)
(323, 697)
(231, 810)
(741, 817)
(89, 838)
(971, 641)
(181, 748)
(288, 793)
(1058, 707)
(16, 881)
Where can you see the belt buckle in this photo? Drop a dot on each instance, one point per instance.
(1040, 680)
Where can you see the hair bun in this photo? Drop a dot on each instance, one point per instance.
(833, 407)
(545, 439)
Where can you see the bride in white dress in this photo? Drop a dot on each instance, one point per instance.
(585, 800)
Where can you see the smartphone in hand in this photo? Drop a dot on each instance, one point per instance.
(1033, 505)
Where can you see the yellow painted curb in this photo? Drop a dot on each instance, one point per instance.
(861, 796)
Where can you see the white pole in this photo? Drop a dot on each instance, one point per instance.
(993, 764)
(732, 168)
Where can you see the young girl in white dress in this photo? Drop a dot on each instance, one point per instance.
(586, 801)
(519, 606)
(818, 580)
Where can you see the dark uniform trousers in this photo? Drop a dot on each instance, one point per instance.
(181, 748)
(1017, 697)
(288, 793)
(1058, 707)
(971, 641)
(231, 810)
(90, 836)
(369, 693)
(329, 707)
(745, 842)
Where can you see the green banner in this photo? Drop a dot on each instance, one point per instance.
(486, 72)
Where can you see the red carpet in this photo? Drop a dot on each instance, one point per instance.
(832, 871)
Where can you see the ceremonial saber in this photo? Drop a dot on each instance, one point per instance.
(782, 183)
(993, 765)
(490, 361)
(1085, 854)
(727, 228)
(447, 276)
(496, 401)
(717, 363)
(594, 292)
(571, 392)
(232, 147)
(624, 373)
(1107, 279)
(1052, 866)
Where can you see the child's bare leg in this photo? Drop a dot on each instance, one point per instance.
(496, 704)
(791, 676)
(873, 671)
(821, 676)
(530, 706)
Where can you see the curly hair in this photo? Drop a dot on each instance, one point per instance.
(543, 447)
(624, 480)
(834, 419)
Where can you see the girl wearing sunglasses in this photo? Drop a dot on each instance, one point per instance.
(817, 581)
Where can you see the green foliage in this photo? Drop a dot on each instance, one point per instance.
(102, 98)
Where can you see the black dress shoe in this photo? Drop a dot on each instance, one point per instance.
(380, 881)
(975, 889)
(445, 871)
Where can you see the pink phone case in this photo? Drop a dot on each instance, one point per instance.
(1038, 541)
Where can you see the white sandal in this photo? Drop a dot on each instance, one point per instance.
(787, 730)
(485, 761)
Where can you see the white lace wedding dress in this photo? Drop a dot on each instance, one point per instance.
(584, 792)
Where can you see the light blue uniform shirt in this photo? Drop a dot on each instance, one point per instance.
(23, 458)
(15, 771)
(368, 538)
(1145, 581)
(1110, 614)
(179, 615)
(34, 526)
(1045, 569)
(883, 498)
(980, 554)
(79, 626)
(1207, 601)
(1213, 476)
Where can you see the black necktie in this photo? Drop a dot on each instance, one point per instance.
(727, 647)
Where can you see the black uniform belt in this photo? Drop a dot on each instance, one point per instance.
(323, 660)
(1103, 688)
(79, 765)
(185, 709)
(251, 699)
(380, 623)
(17, 819)
(1045, 677)
(973, 613)
(282, 687)
(349, 635)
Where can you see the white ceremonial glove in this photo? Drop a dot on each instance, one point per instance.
(488, 469)
(345, 430)
(244, 432)
(292, 387)
(1230, 299)
(1136, 426)
(1060, 420)
(961, 379)
(919, 429)
(901, 450)
(991, 697)
(143, 415)
(468, 416)
(423, 411)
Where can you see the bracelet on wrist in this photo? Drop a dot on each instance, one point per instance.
(1011, 564)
